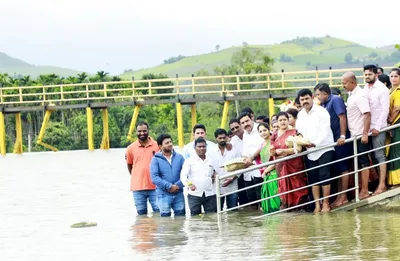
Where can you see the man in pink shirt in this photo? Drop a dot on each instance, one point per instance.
(359, 121)
(378, 97)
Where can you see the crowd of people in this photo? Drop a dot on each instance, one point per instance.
(322, 118)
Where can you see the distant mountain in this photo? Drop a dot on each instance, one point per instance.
(13, 66)
(302, 53)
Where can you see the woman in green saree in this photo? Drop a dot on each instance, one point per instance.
(268, 173)
(394, 118)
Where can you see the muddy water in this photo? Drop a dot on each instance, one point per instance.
(42, 194)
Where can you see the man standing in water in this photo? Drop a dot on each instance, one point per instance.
(359, 121)
(313, 122)
(199, 130)
(138, 157)
(198, 176)
(165, 170)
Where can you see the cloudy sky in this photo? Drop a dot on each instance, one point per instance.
(114, 35)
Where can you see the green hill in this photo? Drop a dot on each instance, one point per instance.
(302, 53)
(13, 66)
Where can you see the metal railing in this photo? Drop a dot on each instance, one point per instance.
(178, 88)
(302, 154)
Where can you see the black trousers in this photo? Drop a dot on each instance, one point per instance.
(209, 204)
(242, 194)
(254, 194)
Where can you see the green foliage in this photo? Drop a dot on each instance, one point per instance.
(57, 134)
(308, 42)
(373, 55)
(174, 59)
(348, 58)
(285, 58)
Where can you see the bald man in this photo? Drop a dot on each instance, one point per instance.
(359, 121)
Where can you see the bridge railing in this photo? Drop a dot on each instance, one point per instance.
(173, 88)
(354, 173)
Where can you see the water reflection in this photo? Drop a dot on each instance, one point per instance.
(151, 233)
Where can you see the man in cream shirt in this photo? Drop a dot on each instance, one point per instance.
(314, 123)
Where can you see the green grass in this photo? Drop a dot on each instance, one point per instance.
(329, 51)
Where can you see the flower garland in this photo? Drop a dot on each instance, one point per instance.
(286, 105)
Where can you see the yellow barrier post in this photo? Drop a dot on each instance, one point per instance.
(133, 122)
(89, 117)
(271, 106)
(105, 141)
(46, 120)
(193, 114)
(2, 135)
(179, 119)
(225, 114)
(18, 140)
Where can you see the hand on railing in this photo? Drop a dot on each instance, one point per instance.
(228, 181)
(364, 139)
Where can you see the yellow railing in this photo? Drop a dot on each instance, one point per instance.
(187, 87)
(187, 90)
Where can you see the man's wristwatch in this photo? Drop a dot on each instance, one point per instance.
(342, 137)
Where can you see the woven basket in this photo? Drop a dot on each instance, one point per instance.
(234, 164)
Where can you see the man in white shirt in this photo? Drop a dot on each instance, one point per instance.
(199, 130)
(198, 176)
(314, 123)
(220, 156)
(378, 97)
(251, 151)
(237, 143)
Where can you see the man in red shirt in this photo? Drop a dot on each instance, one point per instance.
(138, 157)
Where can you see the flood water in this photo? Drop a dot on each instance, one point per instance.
(42, 194)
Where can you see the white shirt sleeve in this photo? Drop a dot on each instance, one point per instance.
(185, 173)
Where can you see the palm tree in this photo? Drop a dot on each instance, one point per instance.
(101, 75)
(82, 77)
(25, 80)
(54, 78)
(71, 79)
(3, 79)
(115, 79)
(13, 81)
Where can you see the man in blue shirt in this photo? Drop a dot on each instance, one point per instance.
(165, 169)
(337, 111)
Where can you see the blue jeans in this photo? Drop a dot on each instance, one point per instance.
(231, 201)
(141, 196)
(166, 201)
